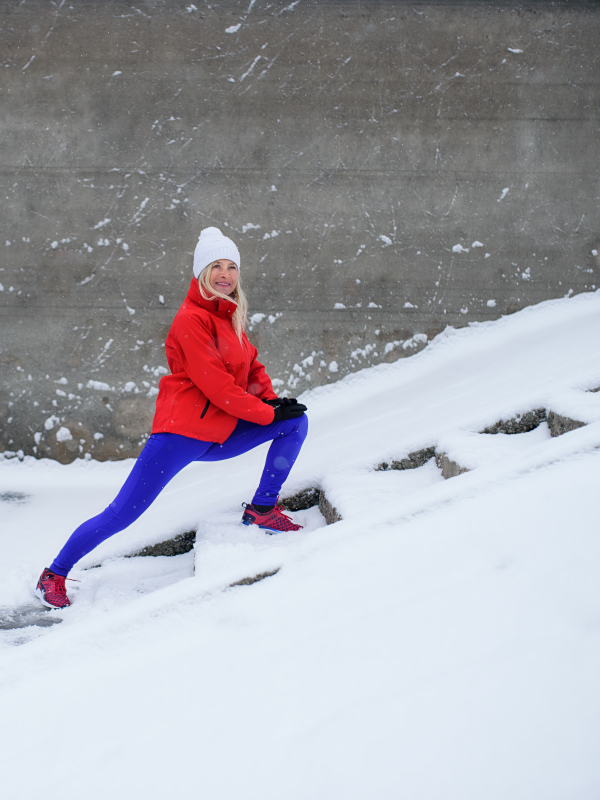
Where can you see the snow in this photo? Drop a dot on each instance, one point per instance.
(442, 640)
(51, 422)
(100, 385)
(63, 435)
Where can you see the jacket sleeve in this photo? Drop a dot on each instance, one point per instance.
(259, 383)
(204, 366)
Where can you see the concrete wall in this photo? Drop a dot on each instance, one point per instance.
(349, 149)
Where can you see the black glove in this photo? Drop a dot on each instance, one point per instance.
(291, 411)
(282, 401)
(286, 408)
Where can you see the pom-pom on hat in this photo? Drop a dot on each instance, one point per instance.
(213, 245)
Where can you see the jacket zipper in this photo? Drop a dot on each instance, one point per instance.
(205, 409)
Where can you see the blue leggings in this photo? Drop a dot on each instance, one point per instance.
(166, 454)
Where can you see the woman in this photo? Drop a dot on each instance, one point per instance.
(218, 402)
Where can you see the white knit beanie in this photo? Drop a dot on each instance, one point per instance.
(213, 245)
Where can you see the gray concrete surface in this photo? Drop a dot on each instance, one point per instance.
(412, 460)
(448, 467)
(522, 423)
(356, 152)
(560, 424)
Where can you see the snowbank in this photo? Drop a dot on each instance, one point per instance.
(441, 640)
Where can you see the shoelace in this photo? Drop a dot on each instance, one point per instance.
(59, 586)
(279, 509)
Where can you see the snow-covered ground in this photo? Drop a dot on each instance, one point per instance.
(441, 641)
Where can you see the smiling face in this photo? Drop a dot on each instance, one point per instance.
(223, 276)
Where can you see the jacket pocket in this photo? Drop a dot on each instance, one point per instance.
(205, 409)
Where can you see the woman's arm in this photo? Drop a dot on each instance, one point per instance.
(259, 383)
(204, 366)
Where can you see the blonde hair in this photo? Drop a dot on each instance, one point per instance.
(238, 297)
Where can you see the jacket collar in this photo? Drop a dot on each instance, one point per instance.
(216, 305)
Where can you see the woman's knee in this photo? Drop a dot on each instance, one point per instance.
(303, 425)
(294, 427)
(123, 514)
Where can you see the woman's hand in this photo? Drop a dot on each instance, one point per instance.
(286, 408)
(282, 401)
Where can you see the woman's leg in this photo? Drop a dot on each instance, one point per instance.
(164, 455)
(288, 437)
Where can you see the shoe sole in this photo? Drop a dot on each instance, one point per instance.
(265, 528)
(41, 596)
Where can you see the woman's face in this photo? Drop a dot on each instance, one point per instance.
(223, 276)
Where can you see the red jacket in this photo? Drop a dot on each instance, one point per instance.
(215, 379)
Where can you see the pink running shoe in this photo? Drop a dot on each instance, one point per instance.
(51, 590)
(273, 521)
